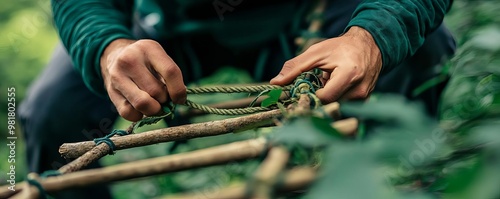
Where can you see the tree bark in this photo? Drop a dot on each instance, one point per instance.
(74, 150)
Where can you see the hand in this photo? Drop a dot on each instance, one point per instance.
(139, 76)
(351, 64)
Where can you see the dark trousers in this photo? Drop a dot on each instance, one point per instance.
(58, 108)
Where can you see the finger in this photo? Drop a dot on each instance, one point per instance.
(147, 82)
(124, 108)
(362, 90)
(324, 77)
(294, 67)
(357, 92)
(338, 83)
(139, 99)
(171, 74)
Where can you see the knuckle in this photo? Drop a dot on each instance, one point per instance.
(155, 91)
(147, 44)
(126, 59)
(171, 69)
(140, 103)
(114, 81)
(128, 113)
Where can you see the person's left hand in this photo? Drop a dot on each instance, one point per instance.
(351, 64)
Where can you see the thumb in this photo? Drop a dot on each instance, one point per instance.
(294, 67)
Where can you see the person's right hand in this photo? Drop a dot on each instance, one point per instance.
(139, 76)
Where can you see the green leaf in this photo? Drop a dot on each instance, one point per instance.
(307, 132)
(462, 178)
(479, 180)
(168, 110)
(350, 171)
(273, 98)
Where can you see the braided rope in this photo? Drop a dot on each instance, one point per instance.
(236, 89)
(218, 111)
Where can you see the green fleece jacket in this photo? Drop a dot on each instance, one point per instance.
(86, 27)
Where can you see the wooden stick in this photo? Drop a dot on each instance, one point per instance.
(266, 175)
(6, 193)
(295, 179)
(236, 151)
(347, 126)
(30, 192)
(333, 110)
(73, 150)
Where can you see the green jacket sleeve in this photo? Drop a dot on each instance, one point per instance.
(86, 27)
(399, 27)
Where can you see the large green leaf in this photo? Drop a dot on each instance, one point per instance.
(350, 171)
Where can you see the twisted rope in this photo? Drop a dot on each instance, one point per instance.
(307, 82)
(41, 191)
(106, 139)
(236, 89)
(218, 111)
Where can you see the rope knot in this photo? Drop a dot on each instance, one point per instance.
(307, 83)
(106, 139)
(32, 180)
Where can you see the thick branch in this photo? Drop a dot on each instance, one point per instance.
(295, 179)
(73, 150)
(201, 158)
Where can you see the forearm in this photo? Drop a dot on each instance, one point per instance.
(399, 27)
(86, 27)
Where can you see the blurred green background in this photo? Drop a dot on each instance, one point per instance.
(28, 38)
(26, 43)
